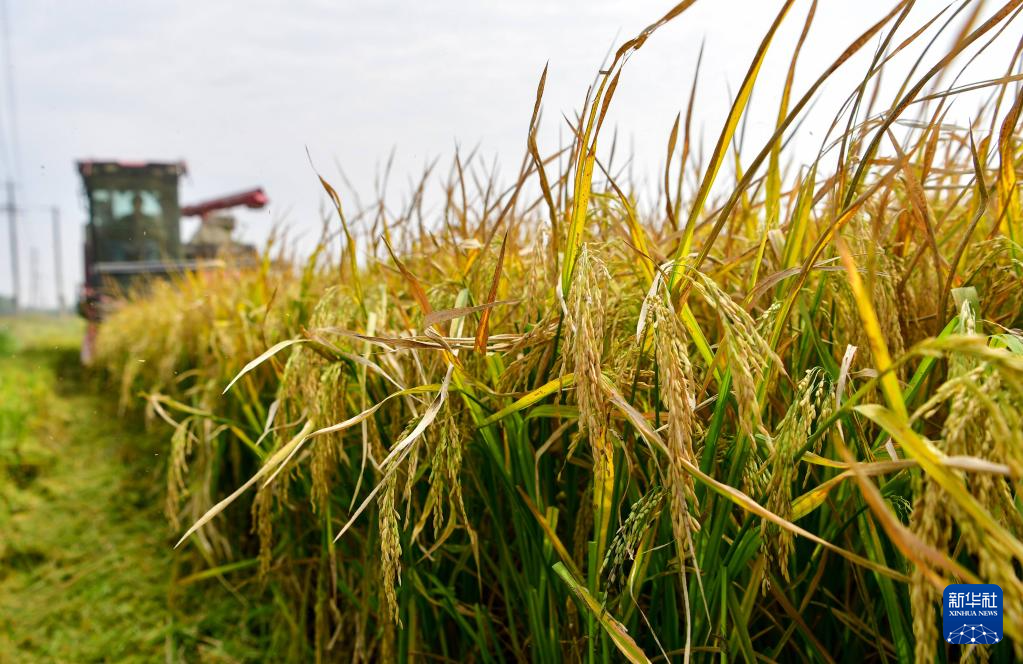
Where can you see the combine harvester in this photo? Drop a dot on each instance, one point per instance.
(134, 232)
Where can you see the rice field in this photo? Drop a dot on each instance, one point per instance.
(766, 415)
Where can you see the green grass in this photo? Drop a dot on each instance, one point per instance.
(86, 566)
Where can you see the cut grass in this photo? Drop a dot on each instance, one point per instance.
(85, 561)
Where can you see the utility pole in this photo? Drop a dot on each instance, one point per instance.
(33, 271)
(58, 263)
(12, 212)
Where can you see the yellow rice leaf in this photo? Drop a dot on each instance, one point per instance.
(619, 635)
(483, 331)
(1008, 192)
(724, 140)
(273, 350)
(272, 464)
(872, 328)
(931, 462)
(578, 223)
(533, 397)
(552, 536)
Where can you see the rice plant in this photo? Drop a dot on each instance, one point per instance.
(768, 416)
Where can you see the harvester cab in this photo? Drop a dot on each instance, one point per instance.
(133, 232)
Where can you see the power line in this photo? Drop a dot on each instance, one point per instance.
(15, 166)
(33, 261)
(12, 212)
(58, 259)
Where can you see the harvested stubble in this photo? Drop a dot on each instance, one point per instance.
(774, 430)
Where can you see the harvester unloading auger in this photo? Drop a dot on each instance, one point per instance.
(134, 232)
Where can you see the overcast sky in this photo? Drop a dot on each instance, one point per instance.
(240, 89)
